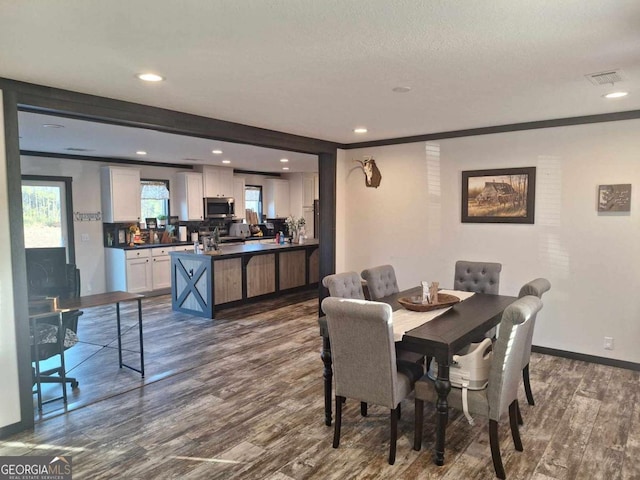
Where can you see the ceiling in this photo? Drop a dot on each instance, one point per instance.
(322, 68)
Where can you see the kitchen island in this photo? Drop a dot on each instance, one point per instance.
(203, 283)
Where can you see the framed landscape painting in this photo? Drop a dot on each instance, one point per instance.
(505, 195)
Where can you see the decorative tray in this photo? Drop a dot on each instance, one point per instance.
(415, 303)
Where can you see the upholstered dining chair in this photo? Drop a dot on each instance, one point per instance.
(344, 285)
(536, 288)
(381, 281)
(478, 277)
(501, 393)
(364, 360)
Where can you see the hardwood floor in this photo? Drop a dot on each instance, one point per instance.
(240, 397)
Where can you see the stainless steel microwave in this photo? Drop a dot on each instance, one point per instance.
(219, 207)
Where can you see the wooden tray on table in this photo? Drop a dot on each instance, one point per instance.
(415, 303)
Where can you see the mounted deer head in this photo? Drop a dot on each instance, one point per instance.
(371, 173)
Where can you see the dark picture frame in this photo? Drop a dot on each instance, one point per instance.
(503, 195)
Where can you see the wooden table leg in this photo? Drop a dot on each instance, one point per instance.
(443, 387)
(328, 379)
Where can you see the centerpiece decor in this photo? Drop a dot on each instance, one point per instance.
(295, 227)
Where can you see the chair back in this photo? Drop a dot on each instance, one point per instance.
(362, 350)
(478, 277)
(504, 376)
(344, 285)
(381, 281)
(536, 288)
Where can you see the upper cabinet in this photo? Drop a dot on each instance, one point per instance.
(217, 181)
(238, 195)
(189, 195)
(276, 198)
(120, 194)
(310, 189)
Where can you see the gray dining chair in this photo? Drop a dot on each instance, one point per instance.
(344, 285)
(364, 360)
(478, 277)
(381, 281)
(537, 288)
(501, 394)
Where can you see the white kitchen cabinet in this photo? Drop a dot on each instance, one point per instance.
(189, 195)
(217, 181)
(139, 270)
(310, 189)
(129, 270)
(161, 267)
(238, 195)
(276, 198)
(120, 194)
(309, 218)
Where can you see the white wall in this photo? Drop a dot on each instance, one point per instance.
(592, 260)
(9, 393)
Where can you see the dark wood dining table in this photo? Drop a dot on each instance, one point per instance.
(440, 338)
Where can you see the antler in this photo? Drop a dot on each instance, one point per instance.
(360, 162)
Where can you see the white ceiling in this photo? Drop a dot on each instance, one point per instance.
(320, 68)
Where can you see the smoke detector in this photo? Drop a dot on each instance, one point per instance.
(605, 78)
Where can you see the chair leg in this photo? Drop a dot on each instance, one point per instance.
(363, 409)
(338, 421)
(513, 420)
(495, 449)
(520, 421)
(527, 385)
(419, 416)
(394, 436)
(399, 412)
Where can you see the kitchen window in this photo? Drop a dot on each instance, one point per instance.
(154, 198)
(253, 199)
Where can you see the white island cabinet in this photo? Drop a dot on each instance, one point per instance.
(120, 194)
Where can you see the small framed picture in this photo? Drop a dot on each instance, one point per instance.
(614, 198)
(505, 195)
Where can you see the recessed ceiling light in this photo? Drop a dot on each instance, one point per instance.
(402, 89)
(216, 152)
(360, 130)
(285, 168)
(141, 152)
(226, 161)
(284, 160)
(52, 125)
(616, 94)
(150, 77)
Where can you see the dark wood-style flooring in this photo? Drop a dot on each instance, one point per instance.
(240, 397)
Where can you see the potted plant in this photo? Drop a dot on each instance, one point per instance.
(162, 220)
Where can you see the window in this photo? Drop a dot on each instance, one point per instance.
(44, 213)
(253, 199)
(154, 198)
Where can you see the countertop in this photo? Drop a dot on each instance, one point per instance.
(256, 248)
(175, 244)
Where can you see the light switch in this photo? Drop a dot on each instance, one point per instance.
(84, 237)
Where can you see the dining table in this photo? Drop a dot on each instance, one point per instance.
(433, 334)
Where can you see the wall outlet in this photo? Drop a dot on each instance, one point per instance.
(84, 237)
(608, 343)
